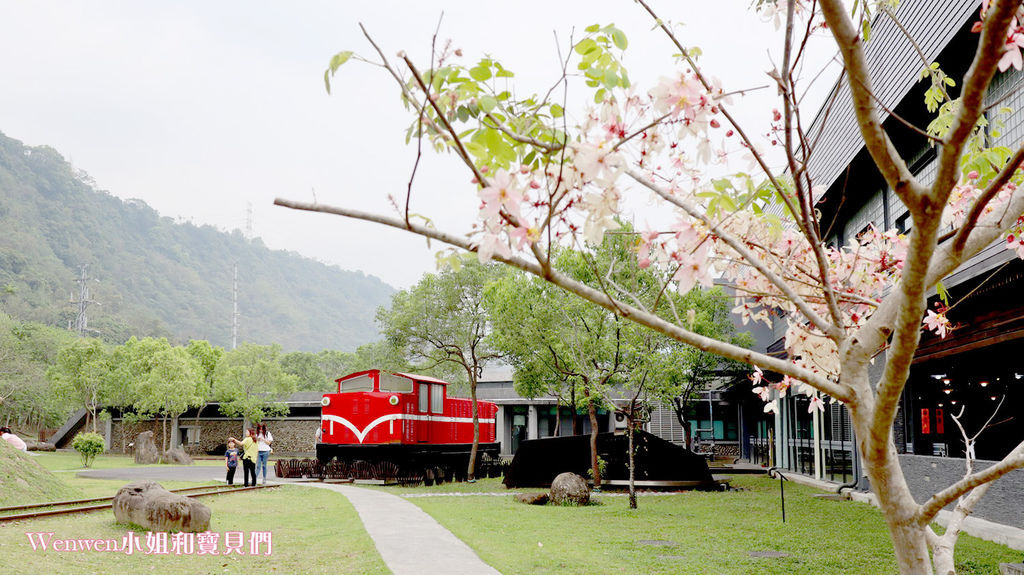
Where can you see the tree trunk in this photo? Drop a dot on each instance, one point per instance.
(596, 469)
(575, 416)
(558, 418)
(680, 410)
(632, 466)
(471, 470)
(163, 435)
(909, 540)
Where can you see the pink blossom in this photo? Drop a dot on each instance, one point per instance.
(1012, 56)
(693, 269)
(937, 322)
(816, 404)
(501, 193)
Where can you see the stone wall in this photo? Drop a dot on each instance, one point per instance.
(291, 436)
(1003, 503)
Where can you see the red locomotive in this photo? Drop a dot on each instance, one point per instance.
(399, 420)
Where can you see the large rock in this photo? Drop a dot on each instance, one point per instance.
(532, 498)
(148, 505)
(145, 448)
(569, 488)
(178, 456)
(34, 445)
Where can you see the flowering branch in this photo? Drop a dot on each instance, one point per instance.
(836, 390)
(832, 331)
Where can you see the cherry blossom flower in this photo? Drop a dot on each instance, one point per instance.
(501, 193)
(816, 404)
(937, 322)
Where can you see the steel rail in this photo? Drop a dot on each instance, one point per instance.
(84, 509)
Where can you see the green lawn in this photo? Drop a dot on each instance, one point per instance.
(313, 531)
(695, 532)
(64, 461)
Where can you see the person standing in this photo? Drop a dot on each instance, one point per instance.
(263, 441)
(231, 462)
(249, 454)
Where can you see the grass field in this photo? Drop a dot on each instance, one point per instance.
(313, 531)
(316, 531)
(693, 532)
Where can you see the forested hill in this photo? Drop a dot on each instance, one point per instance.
(157, 277)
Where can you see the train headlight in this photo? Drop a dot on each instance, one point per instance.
(325, 401)
(393, 400)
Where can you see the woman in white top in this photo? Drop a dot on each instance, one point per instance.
(263, 441)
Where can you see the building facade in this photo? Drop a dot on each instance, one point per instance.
(973, 369)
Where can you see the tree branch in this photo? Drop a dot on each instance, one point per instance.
(728, 350)
(931, 508)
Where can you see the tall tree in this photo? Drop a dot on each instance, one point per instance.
(81, 375)
(441, 320)
(206, 357)
(250, 383)
(172, 384)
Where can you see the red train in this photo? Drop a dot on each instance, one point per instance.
(405, 421)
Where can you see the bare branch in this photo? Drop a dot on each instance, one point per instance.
(888, 160)
(1012, 461)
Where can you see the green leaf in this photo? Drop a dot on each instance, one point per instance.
(557, 111)
(592, 28)
(619, 37)
(866, 29)
(487, 103)
(586, 46)
(943, 294)
(480, 73)
(336, 62)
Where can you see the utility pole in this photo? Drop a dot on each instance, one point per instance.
(81, 323)
(234, 318)
(249, 235)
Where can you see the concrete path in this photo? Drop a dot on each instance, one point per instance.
(410, 541)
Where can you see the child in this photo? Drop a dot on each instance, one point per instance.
(231, 461)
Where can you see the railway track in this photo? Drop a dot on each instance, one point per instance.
(37, 510)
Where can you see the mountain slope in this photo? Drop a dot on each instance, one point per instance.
(157, 277)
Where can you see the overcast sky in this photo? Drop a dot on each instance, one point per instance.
(201, 108)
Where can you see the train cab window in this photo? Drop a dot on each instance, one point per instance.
(437, 398)
(361, 383)
(424, 398)
(390, 382)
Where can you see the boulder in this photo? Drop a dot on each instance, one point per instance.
(34, 445)
(532, 498)
(570, 489)
(145, 448)
(176, 455)
(148, 505)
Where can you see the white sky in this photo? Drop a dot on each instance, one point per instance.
(200, 108)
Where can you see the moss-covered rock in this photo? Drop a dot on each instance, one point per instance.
(22, 480)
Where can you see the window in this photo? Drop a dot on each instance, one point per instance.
(437, 398)
(424, 397)
(395, 383)
(189, 435)
(361, 383)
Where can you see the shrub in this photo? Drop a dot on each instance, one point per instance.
(88, 445)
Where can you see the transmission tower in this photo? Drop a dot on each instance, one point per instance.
(249, 234)
(81, 323)
(234, 317)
